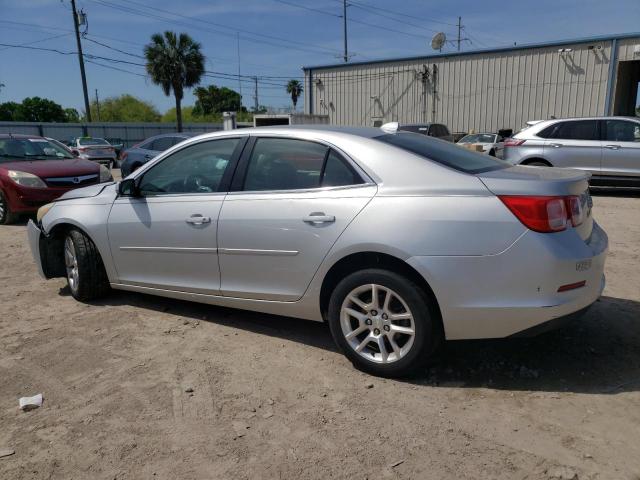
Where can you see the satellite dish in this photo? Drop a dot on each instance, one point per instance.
(438, 41)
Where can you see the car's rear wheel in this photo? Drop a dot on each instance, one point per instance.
(6, 215)
(538, 164)
(383, 322)
(86, 275)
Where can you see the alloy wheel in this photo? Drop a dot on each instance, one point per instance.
(377, 323)
(3, 209)
(71, 263)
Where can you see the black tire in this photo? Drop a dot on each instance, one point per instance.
(538, 164)
(492, 153)
(92, 281)
(428, 332)
(6, 215)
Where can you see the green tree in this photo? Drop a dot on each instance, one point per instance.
(126, 108)
(36, 109)
(72, 115)
(10, 112)
(294, 88)
(174, 62)
(213, 99)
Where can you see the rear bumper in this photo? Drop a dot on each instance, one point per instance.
(501, 295)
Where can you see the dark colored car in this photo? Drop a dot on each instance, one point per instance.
(117, 143)
(437, 130)
(35, 171)
(136, 156)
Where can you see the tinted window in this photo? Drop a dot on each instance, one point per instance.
(92, 141)
(445, 153)
(621, 131)
(161, 144)
(575, 130)
(338, 173)
(194, 169)
(442, 131)
(12, 149)
(284, 164)
(177, 140)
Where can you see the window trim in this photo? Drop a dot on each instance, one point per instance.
(225, 182)
(240, 174)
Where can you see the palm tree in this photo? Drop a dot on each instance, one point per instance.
(294, 88)
(174, 62)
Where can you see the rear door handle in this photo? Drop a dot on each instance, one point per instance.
(198, 219)
(555, 145)
(317, 218)
(612, 147)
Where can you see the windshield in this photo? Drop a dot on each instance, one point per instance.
(478, 138)
(92, 141)
(445, 153)
(12, 149)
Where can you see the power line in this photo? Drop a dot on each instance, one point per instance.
(404, 22)
(311, 9)
(415, 17)
(38, 41)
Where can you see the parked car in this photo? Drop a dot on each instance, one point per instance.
(492, 143)
(136, 156)
(457, 136)
(397, 240)
(35, 171)
(117, 144)
(436, 130)
(95, 149)
(607, 147)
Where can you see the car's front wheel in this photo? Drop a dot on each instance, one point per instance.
(6, 215)
(86, 275)
(383, 322)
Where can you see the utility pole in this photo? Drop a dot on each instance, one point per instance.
(344, 23)
(81, 60)
(424, 76)
(239, 74)
(255, 96)
(98, 104)
(459, 32)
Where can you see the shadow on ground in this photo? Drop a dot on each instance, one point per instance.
(598, 353)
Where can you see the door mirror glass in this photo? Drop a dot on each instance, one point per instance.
(128, 188)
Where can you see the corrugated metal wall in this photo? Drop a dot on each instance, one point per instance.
(130, 133)
(479, 91)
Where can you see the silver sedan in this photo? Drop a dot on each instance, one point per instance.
(397, 240)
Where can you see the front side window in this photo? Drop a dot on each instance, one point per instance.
(161, 144)
(196, 168)
(289, 164)
(573, 130)
(621, 131)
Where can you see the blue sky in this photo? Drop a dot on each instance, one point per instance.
(276, 37)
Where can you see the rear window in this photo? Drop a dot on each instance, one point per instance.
(92, 141)
(445, 153)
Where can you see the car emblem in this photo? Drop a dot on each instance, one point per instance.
(76, 180)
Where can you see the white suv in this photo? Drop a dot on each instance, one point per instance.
(608, 147)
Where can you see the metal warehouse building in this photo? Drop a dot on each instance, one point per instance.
(483, 90)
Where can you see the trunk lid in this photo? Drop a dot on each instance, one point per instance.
(543, 181)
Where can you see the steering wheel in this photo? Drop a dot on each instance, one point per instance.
(195, 183)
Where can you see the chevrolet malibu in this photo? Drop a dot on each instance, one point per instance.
(36, 170)
(397, 240)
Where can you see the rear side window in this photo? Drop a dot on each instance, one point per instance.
(161, 144)
(573, 130)
(445, 153)
(289, 164)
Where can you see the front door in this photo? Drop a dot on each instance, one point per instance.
(166, 235)
(296, 197)
(621, 148)
(575, 144)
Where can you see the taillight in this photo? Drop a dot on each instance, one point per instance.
(545, 214)
(513, 142)
(123, 155)
(82, 149)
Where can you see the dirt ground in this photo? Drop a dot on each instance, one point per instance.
(271, 397)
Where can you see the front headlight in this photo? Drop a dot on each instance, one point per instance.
(105, 174)
(42, 211)
(26, 179)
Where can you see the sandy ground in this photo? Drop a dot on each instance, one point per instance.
(273, 399)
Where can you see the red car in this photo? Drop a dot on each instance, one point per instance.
(35, 171)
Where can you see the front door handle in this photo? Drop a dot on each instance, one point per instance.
(555, 145)
(198, 219)
(317, 218)
(612, 147)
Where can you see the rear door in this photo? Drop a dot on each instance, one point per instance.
(293, 199)
(621, 148)
(574, 144)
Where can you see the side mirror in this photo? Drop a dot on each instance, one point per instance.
(128, 188)
(75, 153)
